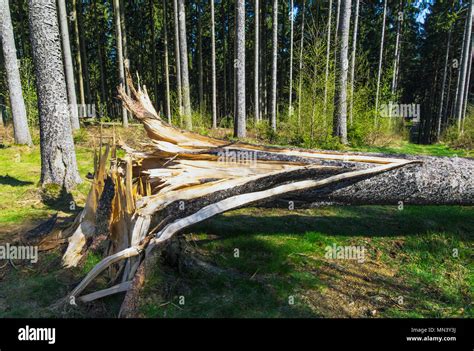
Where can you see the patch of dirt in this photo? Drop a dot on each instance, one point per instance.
(355, 290)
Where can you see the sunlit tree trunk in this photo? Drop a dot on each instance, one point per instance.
(353, 58)
(290, 94)
(300, 70)
(20, 121)
(328, 53)
(184, 66)
(342, 67)
(167, 72)
(58, 158)
(240, 131)
(274, 66)
(396, 60)
(213, 68)
(379, 74)
(177, 57)
(68, 66)
(80, 76)
(257, 62)
(118, 33)
(466, 57)
(445, 73)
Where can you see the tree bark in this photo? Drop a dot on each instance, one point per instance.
(273, 105)
(328, 53)
(379, 74)
(300, 71)
(58, 158)
(213, 66)
(396, 60)
(17, 103)
(240, 131)
(167, 74)
(468, 84)
(83, 49)
(68, 65)
(256, 76)
(290, 94)
(184, 66)
(342, 67)
(445, 73)
(464, 66)
(188, 178)
(353, 57)
(177, 58)
(121, 68)
(80, 76)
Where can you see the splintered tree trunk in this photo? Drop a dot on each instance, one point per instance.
(20, 122)
(68, 66)
(184, 178)
(240, 131)
(58, 158)
(379, 73)
(184, 66)
(342, 67)
(273, 105)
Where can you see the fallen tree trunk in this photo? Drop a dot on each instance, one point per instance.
(182, 178)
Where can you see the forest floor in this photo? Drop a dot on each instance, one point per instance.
(418, 260)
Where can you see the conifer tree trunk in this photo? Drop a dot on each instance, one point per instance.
(342, 67)
(58, 158)
(184, 66)
(17, 103)
(273, 105)
(240, 131)
(68, 65)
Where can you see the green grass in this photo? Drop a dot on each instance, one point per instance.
(410, 255)
(19, 184)
(281, 257)
(404, 147)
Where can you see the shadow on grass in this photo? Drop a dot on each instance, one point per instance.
(58, 198)
(8, 180)
(367, 221)
(287, 252)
